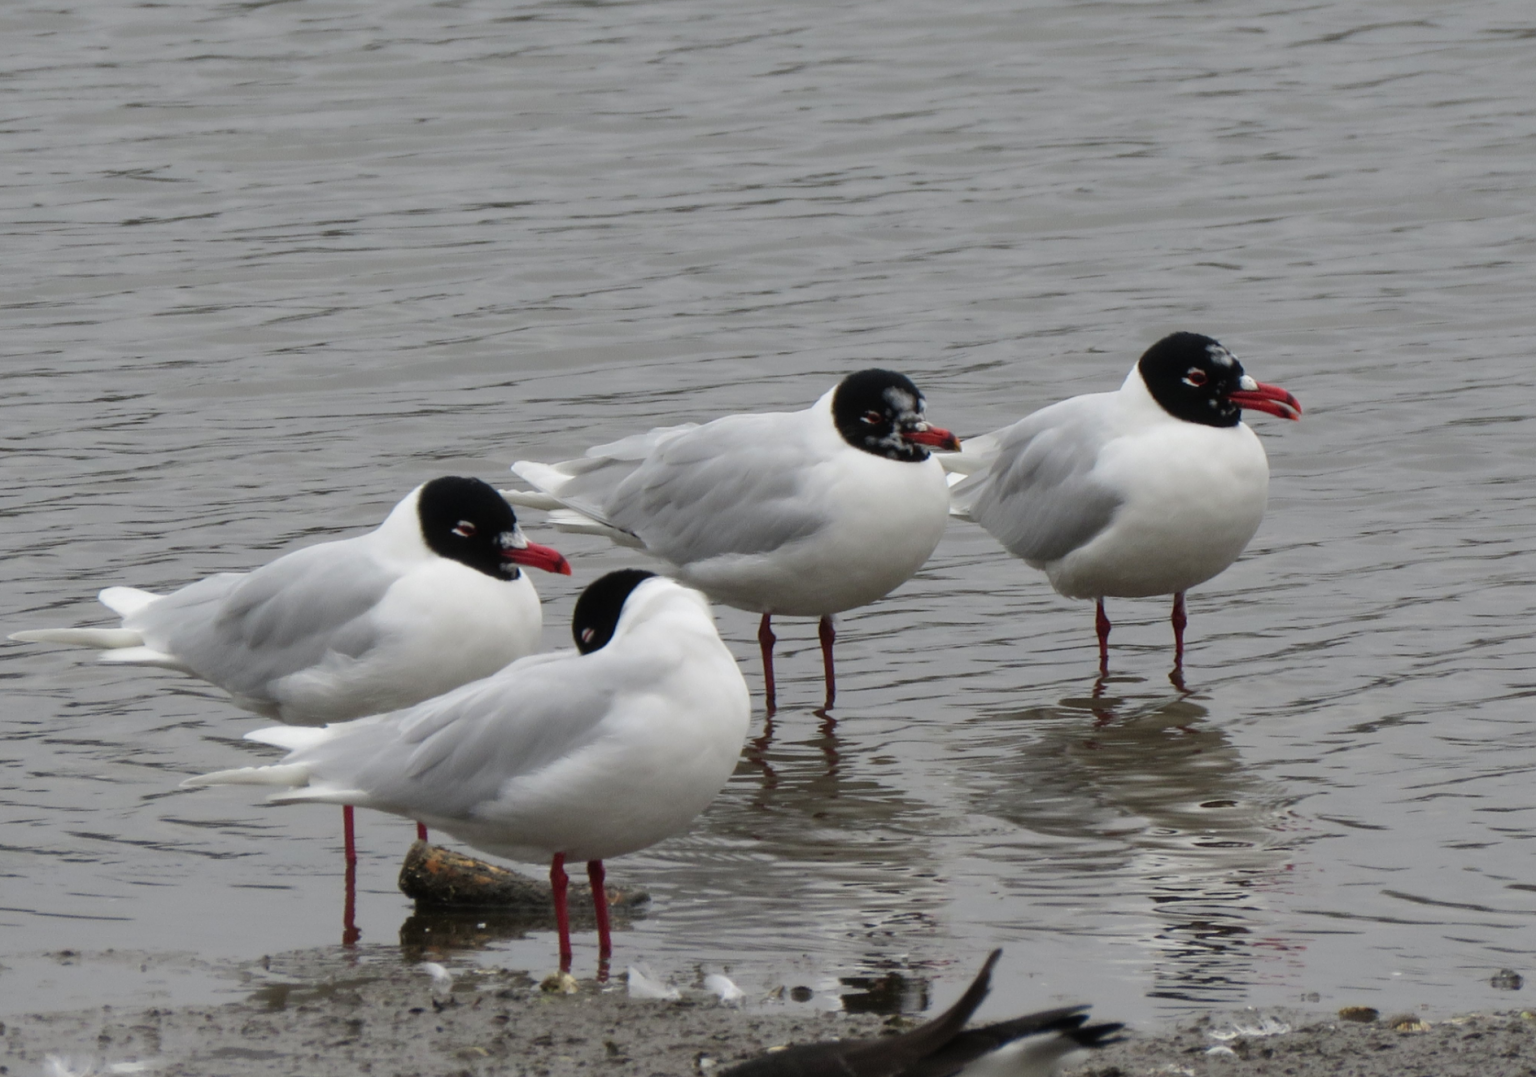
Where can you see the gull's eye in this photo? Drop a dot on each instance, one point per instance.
(1195, 377)
(588, 634)
(464, 529)
(874, 418)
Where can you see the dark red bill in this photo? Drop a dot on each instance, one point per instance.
(535, 556)
(936, 436)
(1270, 398)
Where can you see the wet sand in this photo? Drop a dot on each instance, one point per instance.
(369, 1011)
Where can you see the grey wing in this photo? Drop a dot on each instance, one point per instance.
(1039, 496)
(586, 484)
(733, 486)
(450, 754)
(241, 632)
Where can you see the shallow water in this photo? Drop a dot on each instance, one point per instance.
(269, 265)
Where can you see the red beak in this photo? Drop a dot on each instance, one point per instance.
(1270, 398)
(935, 436)
(535, 556)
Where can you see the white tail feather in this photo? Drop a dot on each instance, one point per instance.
(547, 477)
(320, 795)
(290, 774)
(979, 451)
(145, 656)
(575, 522)
(126, 601)
(530, 499)
(289, 737)
(105, 639)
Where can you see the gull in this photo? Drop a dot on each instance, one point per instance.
(1149, 490)
(804, 514)
(433, 598)
(577, 755)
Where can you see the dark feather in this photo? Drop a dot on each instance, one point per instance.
(938, 1048)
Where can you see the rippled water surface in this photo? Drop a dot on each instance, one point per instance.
(269, 265)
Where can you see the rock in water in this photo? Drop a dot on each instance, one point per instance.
(442, 878)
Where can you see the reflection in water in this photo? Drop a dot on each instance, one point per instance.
(279, 996)
(284, 338)
(894, 991)
(754, 754)
(757, 751)
(438, 930)
(1188, 829)
(428, 932)
(804, 825)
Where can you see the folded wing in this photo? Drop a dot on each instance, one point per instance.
(1038, 494)
(244, 632)
(690, 493)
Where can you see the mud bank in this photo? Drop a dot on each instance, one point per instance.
(369, 1011)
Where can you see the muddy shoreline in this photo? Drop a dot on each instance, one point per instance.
(369, 1010)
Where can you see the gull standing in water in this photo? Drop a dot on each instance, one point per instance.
(433, 598)
(574, 755)
(1149, 490)
(803, 514)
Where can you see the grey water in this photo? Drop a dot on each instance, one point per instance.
(268, 265)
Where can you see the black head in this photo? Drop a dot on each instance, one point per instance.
(1193, 378)
(881, 412)
(467, 521)
(598, 609)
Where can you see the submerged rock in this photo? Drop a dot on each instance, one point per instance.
(441, 878)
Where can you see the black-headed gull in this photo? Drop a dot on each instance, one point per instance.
(1149, 490)
(572, 755)
(805, 514)
(431, 599)
(943, 1047)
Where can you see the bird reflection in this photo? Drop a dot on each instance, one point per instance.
(754, 755)
(757, 754)
(827, 741)
(1150, 793)
(824, 834)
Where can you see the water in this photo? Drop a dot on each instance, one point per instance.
(269, 265)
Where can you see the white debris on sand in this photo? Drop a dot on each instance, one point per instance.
(643, 984)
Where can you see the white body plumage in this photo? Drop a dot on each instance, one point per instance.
(344, 628)
(773, 513)
(590, 756)
(1110, 495)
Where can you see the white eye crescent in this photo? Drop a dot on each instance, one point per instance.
(464, 529)
(1195, 377)
(873, 418)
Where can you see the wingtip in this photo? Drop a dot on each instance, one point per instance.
(1092, 1036)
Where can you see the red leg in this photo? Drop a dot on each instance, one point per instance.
(1179, 621)
(421, 831)
(765, 640)
(1101, 622)
(827, 638)
(558, 881)
(349, 842)
(600, 907)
